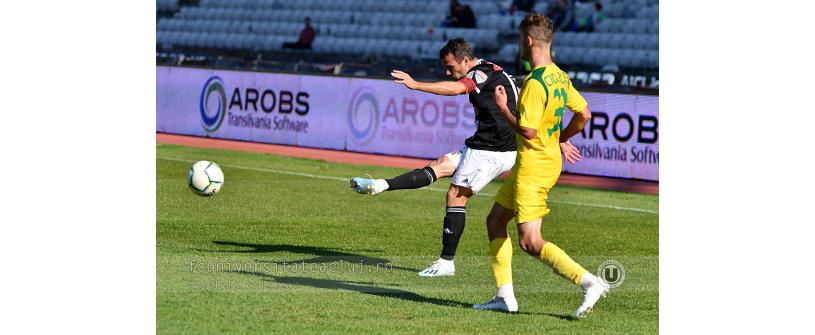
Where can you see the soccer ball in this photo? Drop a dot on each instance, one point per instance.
(205, 178)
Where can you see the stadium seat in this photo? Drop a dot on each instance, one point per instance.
(653, 28)
(630, 58)
(580, 40)
(541, 7)
(361, 26)
(508, 52)
(652, 42)
(653, 59)
(615, 10)
(606, 26)
(631, 41)
(591, 40)
(167, 5)
(616, 57)
(562, 55)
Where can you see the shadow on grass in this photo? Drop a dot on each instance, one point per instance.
(361, 287)
(322, 255)
(558, 316)
(561, 316)
(371, 288)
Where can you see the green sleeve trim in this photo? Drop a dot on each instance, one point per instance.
(538, 76)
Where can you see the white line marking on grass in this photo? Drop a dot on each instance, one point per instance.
(643, 210)
(301, 174)
(486, 194)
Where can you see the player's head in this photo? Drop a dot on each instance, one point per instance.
(457, 57)
(307, 21)
(536, 32)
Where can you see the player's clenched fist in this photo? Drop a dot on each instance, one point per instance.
(404, 78)
(500, 96)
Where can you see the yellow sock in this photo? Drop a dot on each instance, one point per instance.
(561, 263)
(501, 252)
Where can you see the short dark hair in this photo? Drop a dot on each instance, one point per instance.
(538, 27)
(458, 47)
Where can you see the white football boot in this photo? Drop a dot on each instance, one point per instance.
(591, 295)
(441, 267)
(504, 304)
(368, 186)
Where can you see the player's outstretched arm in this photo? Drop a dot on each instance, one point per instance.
(501, 102)
(439, 88)
(577, 123)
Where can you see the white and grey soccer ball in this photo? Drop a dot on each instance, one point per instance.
(205, 178)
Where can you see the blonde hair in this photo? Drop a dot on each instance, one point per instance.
(537, 26)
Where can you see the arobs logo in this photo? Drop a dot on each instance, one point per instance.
(213, 104)
(363, 116)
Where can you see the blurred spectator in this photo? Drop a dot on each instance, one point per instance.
(306, 37)
(592, 20)
(523, 5)
(460, 16)
(562, 15)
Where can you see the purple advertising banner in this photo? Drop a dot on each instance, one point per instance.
(379, 116)
(250, 106)
(621, 139)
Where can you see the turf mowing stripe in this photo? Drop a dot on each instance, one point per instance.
(565, 202)
(487, 194)
(604, 206)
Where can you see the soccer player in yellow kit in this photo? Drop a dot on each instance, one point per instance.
(546, 93)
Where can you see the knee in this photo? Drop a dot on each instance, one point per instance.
(451, 195)
(442, 167)
(457, 195)
(497, 217)
(491, 219)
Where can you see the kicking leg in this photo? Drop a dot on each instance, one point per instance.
(439, 168)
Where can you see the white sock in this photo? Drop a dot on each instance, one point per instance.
(383, 182)
(506, 291)
(588, 280)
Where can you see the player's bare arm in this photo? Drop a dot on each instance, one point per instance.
(438, 88)
(577, 123)
(501, 101)
(570, 153)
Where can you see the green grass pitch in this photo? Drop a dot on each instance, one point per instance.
(286, 247)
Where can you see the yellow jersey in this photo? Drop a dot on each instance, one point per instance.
(543, 100)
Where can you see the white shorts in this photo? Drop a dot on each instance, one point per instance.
(476, 168)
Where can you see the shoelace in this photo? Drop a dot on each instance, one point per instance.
(494, 300)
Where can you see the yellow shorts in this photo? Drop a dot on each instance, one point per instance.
(526, 200)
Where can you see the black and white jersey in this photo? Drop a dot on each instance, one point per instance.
(493, 132)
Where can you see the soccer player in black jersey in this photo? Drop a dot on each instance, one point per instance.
(485, 155)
